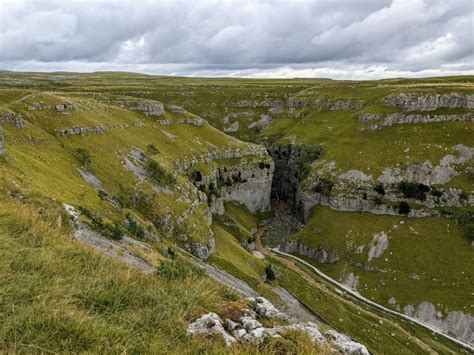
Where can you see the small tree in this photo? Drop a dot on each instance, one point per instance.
(270, 273)
(83, 156)
(151, 149)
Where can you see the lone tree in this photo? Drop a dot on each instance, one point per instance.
(270, 273)
(83, 156)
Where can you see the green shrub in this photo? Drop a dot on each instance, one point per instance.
(324, 187)
(109, 230)
(270, 273)
(124, 198)
(158, 174)
(176, 269)
(413, 190)
(465, 218)
(134, 227)
(196, 176)
(404, 208)
(151, 149)
(379, 189)
(306, 155)
(83, 156)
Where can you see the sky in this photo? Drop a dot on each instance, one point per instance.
(340, 39)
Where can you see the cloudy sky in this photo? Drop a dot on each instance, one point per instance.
(351, 39)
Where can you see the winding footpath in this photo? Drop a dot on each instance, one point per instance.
(338, 286)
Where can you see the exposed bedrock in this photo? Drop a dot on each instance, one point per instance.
(459, 324)
(430, 102)
(248, 183)
(2, 143)
(285, 183)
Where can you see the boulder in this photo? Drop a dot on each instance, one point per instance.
(345, 344)
(210, 324)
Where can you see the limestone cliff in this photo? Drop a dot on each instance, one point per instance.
(430, 102)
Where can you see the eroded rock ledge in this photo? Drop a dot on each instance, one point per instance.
(430, 102)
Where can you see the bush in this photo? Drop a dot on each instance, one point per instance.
(83, 156)
(158, 174)
(379, 189)
(124, 198)
(109, 230)
(196, 176)
(270, 273)
(151, 149)
(413, 190)
(404, 208)
(436, 193)
(134, 227)
(306, 155)
(177, 270)
(465, 218)
(324, 187)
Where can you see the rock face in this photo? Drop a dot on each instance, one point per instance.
(325, 104)
(196, 121)
(378, 245)
(380, 121)
(65, 107)
(203, 251)
(3, 150)
(248, 330)
(351, 281)
(234, 127)
(319, 254)
(123, 250)
(81, 131)
(210, 323)
(430, 102)
(150, 108)
(459, 324)
(285, 184)
(15, 119)
(248, 183)
(426, 173)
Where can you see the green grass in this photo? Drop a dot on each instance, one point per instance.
(432, 249)
(57, 296)
(354, 319)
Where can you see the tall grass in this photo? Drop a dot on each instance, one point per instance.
(58, 296)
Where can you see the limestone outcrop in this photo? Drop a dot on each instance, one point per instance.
(377, 121)
(150, 108)
(430, 102)
(196, 121)
(457, 323)
(248, 183)
(319, 254)
(81, 131)
(16, 120)
(3, 150)
(325, 104)
(248, 330)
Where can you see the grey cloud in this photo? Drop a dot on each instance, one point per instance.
(250, 37)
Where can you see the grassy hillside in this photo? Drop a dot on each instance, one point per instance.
(132, 173)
